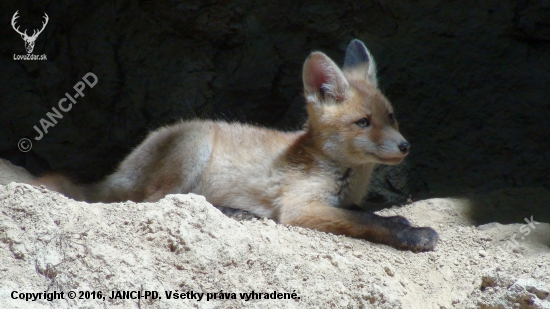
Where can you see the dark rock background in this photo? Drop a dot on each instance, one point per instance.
(470, 80)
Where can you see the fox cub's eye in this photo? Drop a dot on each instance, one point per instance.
(363, 122)
(392, 118)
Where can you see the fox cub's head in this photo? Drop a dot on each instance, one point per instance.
(348, 115)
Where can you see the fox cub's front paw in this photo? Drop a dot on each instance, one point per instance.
(417, 239)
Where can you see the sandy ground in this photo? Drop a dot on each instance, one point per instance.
(183, 244)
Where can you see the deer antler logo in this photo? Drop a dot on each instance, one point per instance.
(29, 40)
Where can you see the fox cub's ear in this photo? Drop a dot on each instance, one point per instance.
(359, 62)
(323, 79)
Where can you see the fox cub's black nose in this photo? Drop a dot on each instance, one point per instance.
(405, 147)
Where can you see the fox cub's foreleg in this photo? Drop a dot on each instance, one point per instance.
(393, 231)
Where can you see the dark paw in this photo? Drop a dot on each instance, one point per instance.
(237, 214)
(417, 239)
(399, 219)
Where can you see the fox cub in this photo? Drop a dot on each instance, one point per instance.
(311, 178)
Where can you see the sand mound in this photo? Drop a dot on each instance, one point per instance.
(182, 244)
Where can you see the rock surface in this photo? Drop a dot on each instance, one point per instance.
(51, 243)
